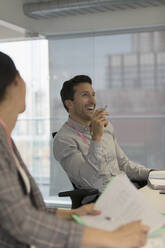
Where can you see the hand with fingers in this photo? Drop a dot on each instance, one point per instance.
(131, 235)
(87, 209)
(98, 123)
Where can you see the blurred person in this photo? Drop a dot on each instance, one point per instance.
(24, 219)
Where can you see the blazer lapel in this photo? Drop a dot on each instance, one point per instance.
(34, 192)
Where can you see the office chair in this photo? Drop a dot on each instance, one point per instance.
(139, 184)
(82, 196)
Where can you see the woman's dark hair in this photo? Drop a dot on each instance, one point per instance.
(67, 91)
(8, 73)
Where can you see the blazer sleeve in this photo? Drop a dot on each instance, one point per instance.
(22, 220)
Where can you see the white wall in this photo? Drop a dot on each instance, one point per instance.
(11, 11)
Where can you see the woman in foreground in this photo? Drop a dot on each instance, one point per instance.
(24, 219)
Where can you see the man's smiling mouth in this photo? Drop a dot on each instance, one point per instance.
(91, 108)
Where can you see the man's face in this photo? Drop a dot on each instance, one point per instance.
(83, 105)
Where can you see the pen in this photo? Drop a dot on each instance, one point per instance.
(105, 108)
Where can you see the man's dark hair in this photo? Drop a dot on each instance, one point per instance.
(8, 73)
(67, 91)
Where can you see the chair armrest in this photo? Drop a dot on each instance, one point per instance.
(78, 195)
(139, 184)
(78, 192)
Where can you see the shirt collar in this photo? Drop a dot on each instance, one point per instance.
(78, 126)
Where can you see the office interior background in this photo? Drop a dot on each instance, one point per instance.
(119, 44)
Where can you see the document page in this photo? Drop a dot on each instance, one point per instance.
(121, 203)
(155, 243)
(157, 183)
(157, 174)
(157, 179)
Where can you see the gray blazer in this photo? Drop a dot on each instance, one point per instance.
(24, 219)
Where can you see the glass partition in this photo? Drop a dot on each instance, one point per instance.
(128, 72)
(32, 133)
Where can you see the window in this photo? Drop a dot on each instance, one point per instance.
(32, 132)
(128, 76)
(128, 72)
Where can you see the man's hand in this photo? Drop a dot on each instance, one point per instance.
(86, 210)
(99, 121)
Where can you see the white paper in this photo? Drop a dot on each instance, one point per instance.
(156, 242)
(157, 179)
(157, 174)
(160, 182)
(121, 203)
(157, 183)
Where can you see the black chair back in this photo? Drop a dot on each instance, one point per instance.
(53, 134)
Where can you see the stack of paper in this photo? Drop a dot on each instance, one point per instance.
(121, 203)
(157, 179)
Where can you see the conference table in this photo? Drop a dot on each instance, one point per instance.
(157, 201)
(154, 197)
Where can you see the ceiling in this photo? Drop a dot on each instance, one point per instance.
(54, 8)
(45, 17)
(10, 31)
